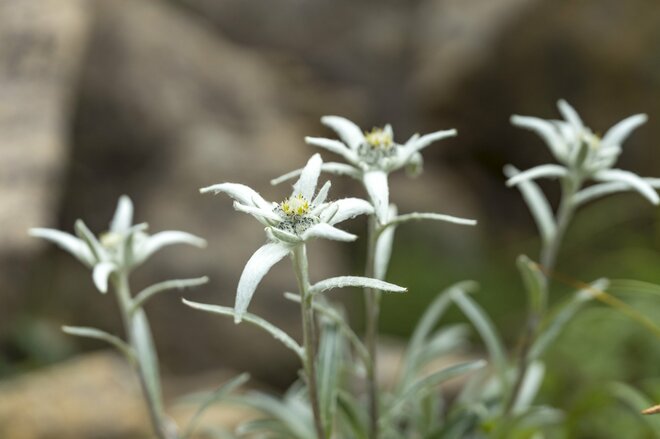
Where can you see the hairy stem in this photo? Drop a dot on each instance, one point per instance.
(309, 336)
(372, 310)
(161, 424)
(548, 258)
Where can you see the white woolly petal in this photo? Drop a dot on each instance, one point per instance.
(346, 208)
(123, 218)
(350, 133)
(570, 115)
(275, 234)
(537, 203)
(101, 274)
(88, 237)
(375, 182)
(256, 268)
(334, 146)
(153, 243)
(383, 251)
(426, 140)
(322, 195)
(262, 215)
(616, 135)
(547, 171)
(635, 181)
(326, 231)
(239, 192)
(306, 184)
(77, 247)
(547, 131)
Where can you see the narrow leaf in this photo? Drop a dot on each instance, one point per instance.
(98, 334)
(355, 281)
(160, 287)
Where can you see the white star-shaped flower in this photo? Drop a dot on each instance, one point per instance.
(122, 248)
(302, 216)
(583, 154)
(371, 156)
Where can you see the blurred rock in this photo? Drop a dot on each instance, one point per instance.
(42, 44)
(97, 396)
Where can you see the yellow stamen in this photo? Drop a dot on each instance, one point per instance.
(297, 205)
(379, 138)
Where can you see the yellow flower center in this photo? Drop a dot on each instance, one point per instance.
(379, 138)
(297, 205)
(110, 240)
(592, 140)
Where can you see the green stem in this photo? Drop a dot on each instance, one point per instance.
(309, 336)
(548, 258)
(372, 310)
(162, 426)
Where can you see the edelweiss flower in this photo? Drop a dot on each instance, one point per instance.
(122, 248)
(297, 219)
(584, 154)
(371, 156)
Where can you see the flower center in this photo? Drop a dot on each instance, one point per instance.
(591, 140)
(110, 240)
(379, 138)
(295, 206)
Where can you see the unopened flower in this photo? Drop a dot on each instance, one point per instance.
(371, 156)
(304, 215)
(123, 247)
(583, 154)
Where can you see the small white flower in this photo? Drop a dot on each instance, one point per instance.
(583, 154)
(302, 216)
(371, 156)
(122, 248)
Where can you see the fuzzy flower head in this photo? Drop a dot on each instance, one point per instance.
(123, 247)
(582, 153)
(304, 215)
(370, 156)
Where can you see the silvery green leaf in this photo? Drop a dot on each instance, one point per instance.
(636, 182)
(296, 421)
(326, 231)
(375, 182)
(534, 282)
(273, 330)
(123, 217)
(355, 281)
(256, 268)
(239, 192)
(529, 388)
(547, 131)
(334, 146)
(346, 208)
(620, 132)
(537, 203)
(75, 246)
(570, 115)
(541, 171)
(148, 361)
(443, 341)
(430, 318)
(101, 274)
(415, 165)
(155, 242)
(551, 330)
(306, 184)
(86, 235)
(174, 284)
(384, 242)
(637, 402)
(98, 334)
(348, 132)
(417, 216)
(487, 331)
(423, 384)
(213, 397)
(322, 194)
(353, 414)
(329, 361)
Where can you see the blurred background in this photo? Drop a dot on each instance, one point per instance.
(156, 98)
